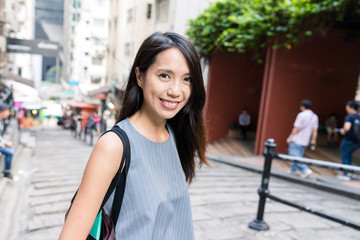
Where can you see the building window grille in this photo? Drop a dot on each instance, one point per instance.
(99, 22)
(162, 10)
(127, 49)
(95, 80)
(97, 61)
(148, 15)
(129, 15)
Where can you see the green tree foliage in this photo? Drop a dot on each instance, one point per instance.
(238, 25)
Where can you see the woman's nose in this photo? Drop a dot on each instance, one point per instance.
(174, 90)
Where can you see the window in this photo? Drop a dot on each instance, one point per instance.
(99, 2)
(95, 80)
(162, 10)
(148, 15)
(129, 15)
(127, 49)
(97, 60)
(99, 22)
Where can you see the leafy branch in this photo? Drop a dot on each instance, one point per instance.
(240, 25)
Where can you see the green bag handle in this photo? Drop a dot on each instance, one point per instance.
(118, 184)
(96, 228)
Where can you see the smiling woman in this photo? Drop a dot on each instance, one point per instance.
(166, 88)
(162, 116)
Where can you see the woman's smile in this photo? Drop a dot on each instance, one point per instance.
(172, 105)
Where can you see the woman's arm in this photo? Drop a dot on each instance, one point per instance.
(101, 168)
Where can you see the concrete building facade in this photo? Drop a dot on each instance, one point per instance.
(18, 23)
(131, 21)
(90, 38)
(72, 11)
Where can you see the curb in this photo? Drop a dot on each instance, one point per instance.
(14, 135)
(3, 180)
(318, 183)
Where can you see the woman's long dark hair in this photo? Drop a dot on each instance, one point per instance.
(188, 123)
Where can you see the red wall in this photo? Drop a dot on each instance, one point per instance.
(234, 83)
(324, 70)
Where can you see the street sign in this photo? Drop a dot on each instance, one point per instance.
(41, 47)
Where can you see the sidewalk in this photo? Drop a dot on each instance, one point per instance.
(321, 178)
(224, 198)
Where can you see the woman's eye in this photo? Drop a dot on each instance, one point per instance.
(188, 79)
(164, 75)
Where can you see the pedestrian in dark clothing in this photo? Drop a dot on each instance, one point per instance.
(244, 122)
(349, 143)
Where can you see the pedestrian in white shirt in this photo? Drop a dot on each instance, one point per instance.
(305, 131)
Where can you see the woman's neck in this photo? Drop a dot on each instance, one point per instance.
(151, 128)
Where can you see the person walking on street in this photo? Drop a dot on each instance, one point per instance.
(6, 147)
(305, 130)
(162, 114)
(351, 137)
(244, 122)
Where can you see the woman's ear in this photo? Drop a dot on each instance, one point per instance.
(139, 76)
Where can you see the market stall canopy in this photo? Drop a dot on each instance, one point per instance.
(33, 105)
(100, 93)
(83, 105)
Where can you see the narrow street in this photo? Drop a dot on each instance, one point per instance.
(224, 198)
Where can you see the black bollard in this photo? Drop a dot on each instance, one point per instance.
(269, 154)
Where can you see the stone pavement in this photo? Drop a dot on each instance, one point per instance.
(224, 198)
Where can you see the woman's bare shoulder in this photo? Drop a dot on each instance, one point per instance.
(110, 142)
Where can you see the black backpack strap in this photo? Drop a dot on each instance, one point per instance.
(119, 181)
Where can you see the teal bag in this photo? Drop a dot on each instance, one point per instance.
(96, 228)
(103, 227)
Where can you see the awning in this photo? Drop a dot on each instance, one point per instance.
(9, 75)
(22, 92)
(100, 93)
(83, 105)
(33, 105)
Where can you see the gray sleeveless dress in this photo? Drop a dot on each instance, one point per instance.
(156, 202)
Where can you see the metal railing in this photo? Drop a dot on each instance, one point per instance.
(263, 191)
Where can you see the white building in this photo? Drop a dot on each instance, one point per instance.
(72, 11)
(173, 15)
(19, 23)
(131, 21)
(87, 63)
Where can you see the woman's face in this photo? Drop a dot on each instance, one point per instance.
(166, 85)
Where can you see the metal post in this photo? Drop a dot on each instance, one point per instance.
(57, 70)
(102, 120)
(269, 154)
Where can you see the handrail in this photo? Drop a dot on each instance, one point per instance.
(318, 163)
(263, 191)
